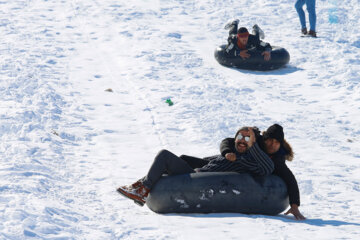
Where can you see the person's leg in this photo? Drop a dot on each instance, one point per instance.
(310, 6)
(165, 162)
(194, 162)
(258, 32)
(233, 28)
(299, 8)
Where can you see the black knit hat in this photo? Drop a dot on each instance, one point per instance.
(276, 132)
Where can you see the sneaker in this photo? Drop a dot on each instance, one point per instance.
(137, 192)
(258, 31)
(230, 23)
(312, 33)
(304, 31)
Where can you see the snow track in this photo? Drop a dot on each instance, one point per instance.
(83, 88)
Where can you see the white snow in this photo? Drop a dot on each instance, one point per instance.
(67, 143)
(182, 203)
(237, 192)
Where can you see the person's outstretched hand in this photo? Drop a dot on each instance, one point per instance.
(294, 210)
(244, 54)
(267, 55)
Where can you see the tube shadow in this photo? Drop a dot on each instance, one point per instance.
(288, 69)
(314, 222)
(318, 221)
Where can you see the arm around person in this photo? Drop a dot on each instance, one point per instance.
(227, 145)
(263, 164)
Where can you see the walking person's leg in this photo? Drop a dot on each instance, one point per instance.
(310, 6)
(299, 8)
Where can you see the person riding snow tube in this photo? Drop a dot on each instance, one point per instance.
(279, 58)
(247, 51)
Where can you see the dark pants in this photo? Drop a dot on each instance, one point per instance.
(165, 162)
(233, 29)
(195, 162)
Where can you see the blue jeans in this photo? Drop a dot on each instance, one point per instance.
(310, 6)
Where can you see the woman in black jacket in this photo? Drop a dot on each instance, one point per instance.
(279, 150)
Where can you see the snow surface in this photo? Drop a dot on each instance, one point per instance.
(83, 85)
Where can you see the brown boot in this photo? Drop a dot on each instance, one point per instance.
(312, 33)
(304, 31)
(133, 186)
(136, 191)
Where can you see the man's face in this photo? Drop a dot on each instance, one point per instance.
(240, 142)
(243, 40)
(272, 145)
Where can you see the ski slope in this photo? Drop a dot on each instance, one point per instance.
(83, 86)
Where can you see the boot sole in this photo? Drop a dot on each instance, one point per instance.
(141, 204)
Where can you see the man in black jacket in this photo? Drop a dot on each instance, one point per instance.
(279, 150)
(240, 41)
(250, 158)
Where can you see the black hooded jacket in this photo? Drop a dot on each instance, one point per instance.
(253, 43)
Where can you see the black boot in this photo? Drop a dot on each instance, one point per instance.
(230, 23)
(304, 31)
(257, 31)
(312, 33)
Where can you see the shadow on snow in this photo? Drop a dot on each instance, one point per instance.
(315, 222)
(288, 69)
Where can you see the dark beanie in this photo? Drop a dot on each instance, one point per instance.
(276, 132)
(242, 30)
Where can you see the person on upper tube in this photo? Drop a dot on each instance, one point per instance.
(240, 41)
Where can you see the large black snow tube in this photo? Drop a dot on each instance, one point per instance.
(279, 57)
(219, 192)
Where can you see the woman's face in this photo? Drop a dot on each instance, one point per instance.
(272, 145)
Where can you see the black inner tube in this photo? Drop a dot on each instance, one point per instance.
(279, 57)
(216, 192)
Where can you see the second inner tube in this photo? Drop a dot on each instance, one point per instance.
(279, 57)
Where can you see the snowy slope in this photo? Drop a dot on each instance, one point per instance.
(83, 86)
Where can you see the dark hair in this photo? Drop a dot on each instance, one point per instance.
(241, 129)
(259, 138)
(242, 30)
(289, 151)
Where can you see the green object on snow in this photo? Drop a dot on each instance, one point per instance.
(168, 101)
